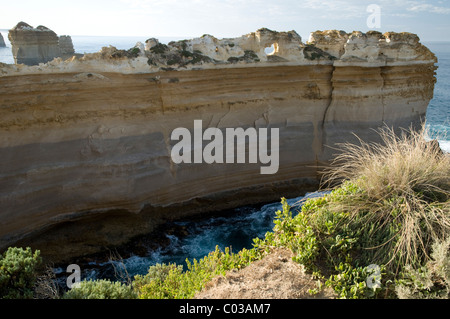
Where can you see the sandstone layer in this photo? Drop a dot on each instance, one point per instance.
(85, 143)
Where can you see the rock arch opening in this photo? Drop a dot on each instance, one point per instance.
(271, 50)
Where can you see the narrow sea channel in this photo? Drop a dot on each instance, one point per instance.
(193, 238)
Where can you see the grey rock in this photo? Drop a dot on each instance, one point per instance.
(2, 42)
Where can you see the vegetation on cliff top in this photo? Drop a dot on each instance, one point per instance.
(383, 232)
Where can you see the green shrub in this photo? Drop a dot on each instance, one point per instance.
(171, 282)
(328, 243)
(336, 242)
(311, 52)
(134, 52)
(186, 54)
(198, 57)
(157, 273)
(233, 59)
(429, 281)
(249, 56)
(18, 272)
(160, 48)
(350, 282)
(100, 289)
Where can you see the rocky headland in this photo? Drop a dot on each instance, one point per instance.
(85, 142)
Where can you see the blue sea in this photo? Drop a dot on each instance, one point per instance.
(195, 238)
(238, 228)
(438, 112)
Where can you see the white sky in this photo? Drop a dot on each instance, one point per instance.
(225, 18)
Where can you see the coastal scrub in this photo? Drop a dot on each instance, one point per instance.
(391, 211)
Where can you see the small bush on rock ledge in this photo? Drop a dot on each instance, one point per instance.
(18, 273)
(100, 289)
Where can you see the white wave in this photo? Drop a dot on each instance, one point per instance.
(445, 145)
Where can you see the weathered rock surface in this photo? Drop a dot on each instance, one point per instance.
(2, 41)
(65, 45)
(32, 46)
(85, 143)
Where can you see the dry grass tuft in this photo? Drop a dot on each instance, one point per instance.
(406, 184)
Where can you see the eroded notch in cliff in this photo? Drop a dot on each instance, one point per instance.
(383, 102)
(325, 113)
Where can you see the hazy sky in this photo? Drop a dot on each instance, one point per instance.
(225, 18)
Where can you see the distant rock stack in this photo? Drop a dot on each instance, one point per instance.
(2, 42)
(66, 45)
(31, 46)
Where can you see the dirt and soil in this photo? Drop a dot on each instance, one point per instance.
(276, 276)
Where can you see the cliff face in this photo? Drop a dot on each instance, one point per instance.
(65, 45)
(32, 46)
(89, 140)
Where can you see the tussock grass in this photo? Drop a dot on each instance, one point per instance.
(406, 187)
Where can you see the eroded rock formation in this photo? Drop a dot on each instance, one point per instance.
(65, 45)
(2, 42)
(85, 144)
(32, 46)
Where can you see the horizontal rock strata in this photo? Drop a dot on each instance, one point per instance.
(65, 45)
(86, 142)
(32, 46)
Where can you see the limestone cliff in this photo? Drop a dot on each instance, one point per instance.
(89, 139)
(65, 45)
(2, 42)
(32, 46)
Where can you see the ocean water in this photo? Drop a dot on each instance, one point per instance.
(235, 229)
(438, 112)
